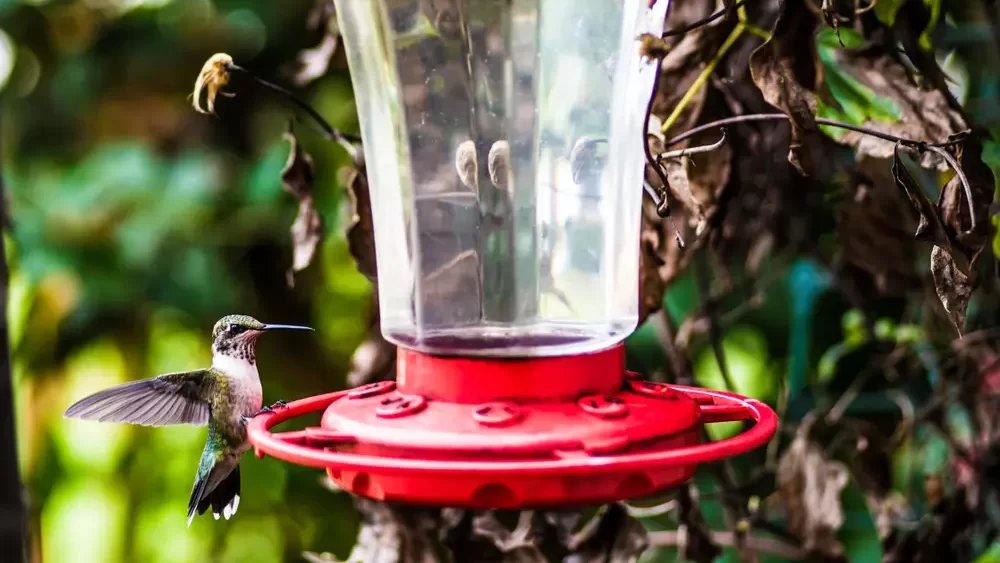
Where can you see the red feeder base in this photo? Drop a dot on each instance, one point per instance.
(512, 433)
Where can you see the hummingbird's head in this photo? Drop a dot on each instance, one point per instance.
(235, 336)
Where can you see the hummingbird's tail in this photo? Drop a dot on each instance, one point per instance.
(213, 489)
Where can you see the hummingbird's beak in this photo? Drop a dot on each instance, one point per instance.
(285, 327)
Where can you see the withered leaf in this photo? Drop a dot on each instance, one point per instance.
(875, 237)
(519, 544)
(787, 72)
(375, 358)
(307, 230)
(360, 230)
(809, 486)
(953, 287)
(953, 205)
(923, 114)
(699, 547)
(916, 184)
(610, 536)
(313, 63)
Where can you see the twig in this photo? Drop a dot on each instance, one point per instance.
(819, 120)
(663, 200)
(704, 21)
(761, 544)
(702, 78)
(692, 150)
(332, 134)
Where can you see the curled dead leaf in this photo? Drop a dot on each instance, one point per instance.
(809, 486)
(958, 242)
(313, 63)
(360, 230)
(307, 230)
(699, 544)
(213, 77)
(875, 237)
(953, 287)
(922, 113)
(787, 72)
(917, 184)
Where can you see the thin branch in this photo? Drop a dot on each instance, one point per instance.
(702, 78)
(331, 134)
(662, 201)
(819, 120)
(693, 150)
(704, 21)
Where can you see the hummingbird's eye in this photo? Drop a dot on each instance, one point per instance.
(234, 328)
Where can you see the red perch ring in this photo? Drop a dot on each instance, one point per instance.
(483, 433)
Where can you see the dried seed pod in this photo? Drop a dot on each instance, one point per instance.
(653, 46)
(213, 77)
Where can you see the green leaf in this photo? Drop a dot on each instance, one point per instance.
(934, 7)
(886, 10)
(856, 103)
(859, 535)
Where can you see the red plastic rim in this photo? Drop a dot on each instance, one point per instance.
(716, 406)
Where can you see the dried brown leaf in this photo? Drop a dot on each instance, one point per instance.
(678, 71)
(916, 183)
(519, 545)
(948, 224)
(925, 113)
(307, 230)
(874, 237)
(809, 486)
(375, 358)
(700, 546)
(313, 63)
(953, 206)
(787, 72)
(360, 230)
(952, 286)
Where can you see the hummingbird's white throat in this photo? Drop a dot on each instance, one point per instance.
(237, 359)
(233, 367)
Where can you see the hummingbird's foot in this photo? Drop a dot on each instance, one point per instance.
(270, 408)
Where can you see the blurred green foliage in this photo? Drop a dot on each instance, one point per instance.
(137, 223)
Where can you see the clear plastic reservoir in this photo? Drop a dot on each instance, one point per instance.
(503, 147)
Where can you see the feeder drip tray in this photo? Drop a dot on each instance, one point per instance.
(482, 433)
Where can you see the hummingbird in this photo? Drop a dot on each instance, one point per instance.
(225, 397)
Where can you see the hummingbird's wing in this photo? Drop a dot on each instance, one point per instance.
(173, 398)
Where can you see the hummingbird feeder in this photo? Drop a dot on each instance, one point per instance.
(503, 147)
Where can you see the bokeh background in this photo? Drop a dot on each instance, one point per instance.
(136, 223)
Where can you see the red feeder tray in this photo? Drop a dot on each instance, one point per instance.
(488, 433)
